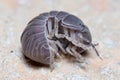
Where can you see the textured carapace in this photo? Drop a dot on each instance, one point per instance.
(50, 34)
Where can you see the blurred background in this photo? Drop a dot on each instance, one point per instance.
(101, 16)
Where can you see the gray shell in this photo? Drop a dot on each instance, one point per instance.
(35, 41)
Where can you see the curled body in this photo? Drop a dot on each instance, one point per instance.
(52, 33)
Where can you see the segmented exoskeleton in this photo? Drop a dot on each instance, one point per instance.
(49, 34)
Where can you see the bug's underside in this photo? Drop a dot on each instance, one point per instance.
(53, 33)
(66, 35)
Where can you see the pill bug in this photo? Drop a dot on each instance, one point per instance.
(55, 32)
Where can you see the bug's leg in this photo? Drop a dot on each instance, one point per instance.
(60, 46)
(78, 56)
(56, 51)
(58, 35)
(68, 49)
(52, 56)
(54, 48)
(66, 33)
(71, 52)
(50, 28)
(70, 35)
(73, 37)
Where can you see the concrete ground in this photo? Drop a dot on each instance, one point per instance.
(101, 16)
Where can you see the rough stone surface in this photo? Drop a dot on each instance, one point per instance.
(101, 16)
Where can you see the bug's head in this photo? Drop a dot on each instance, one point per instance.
(87, 39)
(86, 36)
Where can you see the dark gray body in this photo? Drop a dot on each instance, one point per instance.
(51, 33)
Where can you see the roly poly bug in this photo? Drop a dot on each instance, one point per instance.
(51, 33)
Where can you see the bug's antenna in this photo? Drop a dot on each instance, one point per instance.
(93, 46)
